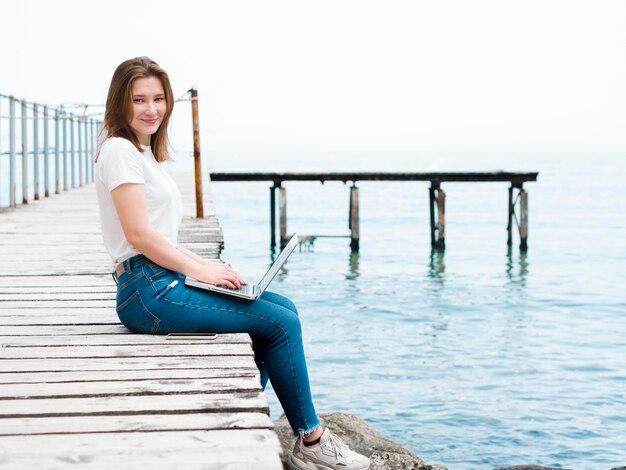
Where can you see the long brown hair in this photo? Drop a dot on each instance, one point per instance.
(118, 107)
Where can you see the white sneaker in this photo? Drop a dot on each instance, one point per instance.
(330, 454)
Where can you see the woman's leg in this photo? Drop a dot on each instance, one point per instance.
(154, 300)
(259, 353)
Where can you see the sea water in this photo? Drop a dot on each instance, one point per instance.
(478, 357)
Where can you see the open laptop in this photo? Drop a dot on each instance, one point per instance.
(251, 291)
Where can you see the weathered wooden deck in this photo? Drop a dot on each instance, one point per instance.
(77, 388)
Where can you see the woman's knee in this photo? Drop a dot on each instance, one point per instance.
(280, 300)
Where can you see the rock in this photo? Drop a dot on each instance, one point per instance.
(529, 467)
(361, 437)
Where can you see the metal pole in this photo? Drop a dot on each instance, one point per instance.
(196, 153)
(36, 149)
(46, 155)
(80, 152)
(86, 136)
(57, 153)
(12, 154)
(65, 169)
(72, 152)
(24, 155)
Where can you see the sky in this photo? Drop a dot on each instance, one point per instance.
(480, 75)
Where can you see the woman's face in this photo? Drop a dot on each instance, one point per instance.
(148, 108)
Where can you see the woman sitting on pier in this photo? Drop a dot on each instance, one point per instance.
(140, 212)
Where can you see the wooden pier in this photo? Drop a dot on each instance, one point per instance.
(78, 389)
(518, 203)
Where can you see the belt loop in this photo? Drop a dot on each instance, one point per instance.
(127, 266)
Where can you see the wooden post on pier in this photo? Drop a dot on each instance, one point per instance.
(196, 153)
(353, 219)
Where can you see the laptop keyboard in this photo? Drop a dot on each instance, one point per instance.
(245, 289)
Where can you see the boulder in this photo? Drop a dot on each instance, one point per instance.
(361, 437)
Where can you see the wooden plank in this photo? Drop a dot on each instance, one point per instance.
(125, 363)
(25, 317)
(126, 338)
(30, 377)
(176, 403)
(121, 350)
(112, 388)
(218, 449)
(134, 423)
(113, 328)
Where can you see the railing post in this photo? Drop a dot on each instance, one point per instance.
(24, 155)
(86, 147)
(46, 155)
(57, 152)
(81, 156)
(72, 152)
(65, 166)
(196, 153)
(12, 155)
(36, 150)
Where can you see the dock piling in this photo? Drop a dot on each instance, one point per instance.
(282, 207)
(353, 219)
(273, 214)
(523, 229)
(437, 219)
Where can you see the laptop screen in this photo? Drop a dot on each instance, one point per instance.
(280, 260)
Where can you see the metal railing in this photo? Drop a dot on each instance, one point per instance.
(44, 149)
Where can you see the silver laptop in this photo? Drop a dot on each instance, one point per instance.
(251, 291)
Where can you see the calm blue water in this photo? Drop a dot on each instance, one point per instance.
(477, 358)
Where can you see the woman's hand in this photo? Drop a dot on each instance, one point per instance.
(220, 274)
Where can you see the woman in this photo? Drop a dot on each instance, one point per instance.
(140, 213)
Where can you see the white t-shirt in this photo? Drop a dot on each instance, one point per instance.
(120, 162)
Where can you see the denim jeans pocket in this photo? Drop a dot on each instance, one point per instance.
(133, 313)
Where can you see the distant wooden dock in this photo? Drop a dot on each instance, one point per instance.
(518, 203)
(78, 389)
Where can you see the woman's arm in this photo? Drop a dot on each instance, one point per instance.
(130, 203)
(193, 255)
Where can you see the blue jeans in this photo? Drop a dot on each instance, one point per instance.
(155, 300)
